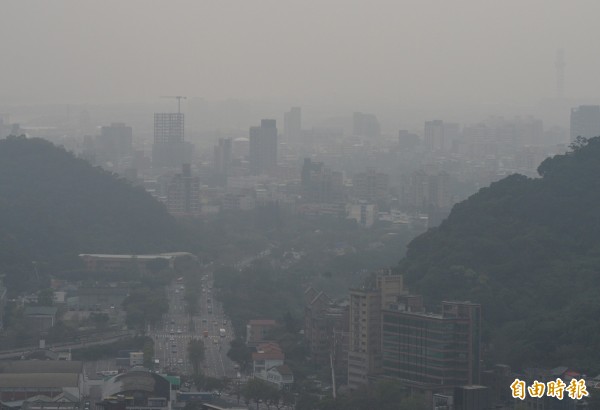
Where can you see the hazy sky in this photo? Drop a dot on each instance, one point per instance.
(354, 53)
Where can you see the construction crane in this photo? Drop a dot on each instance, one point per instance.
(179, 98)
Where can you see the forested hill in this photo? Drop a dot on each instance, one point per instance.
(54, 206)
(529, 251)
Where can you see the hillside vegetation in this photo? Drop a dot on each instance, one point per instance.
(529, 251)
(54, 206)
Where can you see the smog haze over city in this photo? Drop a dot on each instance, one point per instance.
(400, 58)
(300, 205)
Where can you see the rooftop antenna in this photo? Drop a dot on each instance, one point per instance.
(179, 98)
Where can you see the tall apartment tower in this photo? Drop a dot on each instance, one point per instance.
(370, 185)
(292, 124)
(365, 125)
(434, 135)
(114, 144)
(585, 121)
(183, 194)
(169, 148)
(320, 184)
(263, 148)
(364, 345)
(223, 157)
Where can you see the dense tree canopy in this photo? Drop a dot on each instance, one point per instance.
(529, 251)
(54, 206)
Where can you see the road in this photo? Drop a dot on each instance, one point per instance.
(64, 347)
(171, 337)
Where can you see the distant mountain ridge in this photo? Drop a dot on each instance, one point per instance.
(529, 251)
(54, 206)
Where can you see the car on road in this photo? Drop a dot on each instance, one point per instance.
(179, 331)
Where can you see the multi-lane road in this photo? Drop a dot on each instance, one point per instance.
(173, 334)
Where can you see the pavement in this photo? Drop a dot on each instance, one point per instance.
(172, 335)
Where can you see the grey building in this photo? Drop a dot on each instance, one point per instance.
(292, 124)
(183, 194)
(585, 121)
(263, 148)
(169, 149)
(365, 125)
(114, 144)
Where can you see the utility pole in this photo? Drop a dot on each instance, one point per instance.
(179, 98)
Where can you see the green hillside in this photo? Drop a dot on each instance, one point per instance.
(54, 206)
(529, 251)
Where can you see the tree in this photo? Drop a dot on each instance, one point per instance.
(46, 297)
(195, 350)
(157, 265)
(258, 391)
(145, 306)
(411, 403)
(100, 320)
(240, 353)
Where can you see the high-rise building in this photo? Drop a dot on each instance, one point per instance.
(433, 351)
(434, 135)
(292, 124)
(263, 148)
(408, 141)
(114, 144)
(223, 156)
(4, 125)
(320, 184)
(585, 121)
(364, 345)
(183, 194)
(425, 193)
(365, 125)
(439, 135)
(169, 147)
(371, 185)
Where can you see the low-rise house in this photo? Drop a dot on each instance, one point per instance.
(257, 331)
(281, 376)
(267, 356)
(40, 318)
